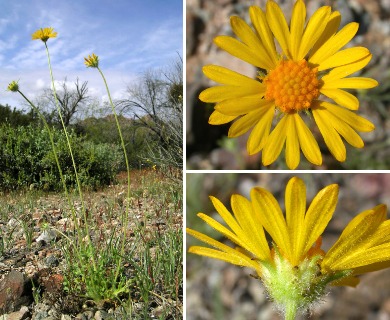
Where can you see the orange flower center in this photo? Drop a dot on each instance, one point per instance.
(293, 85)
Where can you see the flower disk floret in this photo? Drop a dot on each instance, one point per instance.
(292, 85)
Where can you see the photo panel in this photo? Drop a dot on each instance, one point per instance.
(242, 227)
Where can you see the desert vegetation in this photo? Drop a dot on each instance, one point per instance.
(91, 200)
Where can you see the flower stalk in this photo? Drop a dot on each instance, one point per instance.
(92, 61)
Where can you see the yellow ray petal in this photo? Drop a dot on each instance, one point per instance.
(227, 257)
(348, 133)
(382, 234)
(266, 206)
(241, 51)
(379, 254)
(330, 135)
(212, 242)
(372, 267)
(346, 70)
(353, 239)
(274, 143)
(342, 98)
(217, 118)
(240, 237)
(344, 130)
(344, 57)
(234, 237)
(339, 40)
(297, 25)
(251, 225)
(259, 21)
(295, 201)
(245, 33)
(240, 106)
(331, 28)
(292, 143)
(356, 122)
(260, 132)
(372, 221)
(245, 123)
(220, 93)
(352, 83)
(318, 215)
(226, 76)
(279, 27)
(245, 240)
(315, 26)
(307, 141)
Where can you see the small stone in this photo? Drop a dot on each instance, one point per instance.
(102, 315)
(23, 313)
(47, 236)
(11, 291)
(52, 261)
(65, 224)
(65, 317)
(88, 314)
(52, 283)
(41, 315)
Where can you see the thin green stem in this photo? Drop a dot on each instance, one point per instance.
(73, 161)
(126, 215)
(54, 149)
(64, 127)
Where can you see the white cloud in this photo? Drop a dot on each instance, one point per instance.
(124, 48)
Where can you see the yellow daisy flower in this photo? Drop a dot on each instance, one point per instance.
(13, 86)
(92, 61)
(44, 34)
(309, 69)
(295, 271)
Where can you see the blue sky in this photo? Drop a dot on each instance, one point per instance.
(129, 36)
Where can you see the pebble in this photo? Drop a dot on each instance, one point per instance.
(22, 314)
(52, 261)
(47, 236)
(102, 315)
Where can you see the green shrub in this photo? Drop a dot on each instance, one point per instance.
(27, 159)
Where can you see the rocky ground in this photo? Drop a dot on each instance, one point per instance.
(208, 147)
(33, 267)
(218, 290)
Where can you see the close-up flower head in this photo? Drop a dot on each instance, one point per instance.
(92, 61)
(285, 250)
(13, 86)
(44, 34)
(304, 73)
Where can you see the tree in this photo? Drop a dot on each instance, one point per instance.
(156, 103)
(16, 117)
(70, 101)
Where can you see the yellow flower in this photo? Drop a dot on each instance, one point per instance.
(296, 263)
(92, 61)
(309, 69)
(44, 34)
(13, 86)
